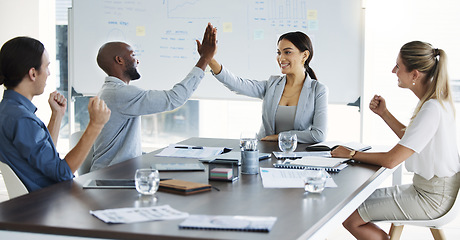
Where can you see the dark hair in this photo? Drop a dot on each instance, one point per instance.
(303, 43)
(17, 57)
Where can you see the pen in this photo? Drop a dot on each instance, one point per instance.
(265, 157)
(185, 147)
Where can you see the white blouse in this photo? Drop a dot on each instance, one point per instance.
(432, 135)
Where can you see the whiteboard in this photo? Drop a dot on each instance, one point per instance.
(163, 34)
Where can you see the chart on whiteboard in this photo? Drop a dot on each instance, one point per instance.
(163, 34)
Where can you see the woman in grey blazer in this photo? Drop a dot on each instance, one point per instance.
(293, 102)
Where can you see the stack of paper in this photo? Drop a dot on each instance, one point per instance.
(221, 173)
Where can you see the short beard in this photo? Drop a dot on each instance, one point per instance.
(132, 73)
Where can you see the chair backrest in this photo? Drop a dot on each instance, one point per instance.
(86, 165)
(14, 185)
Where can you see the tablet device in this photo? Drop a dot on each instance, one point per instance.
(110, 183)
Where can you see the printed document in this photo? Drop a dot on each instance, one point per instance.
(131, 215)
(287, 178)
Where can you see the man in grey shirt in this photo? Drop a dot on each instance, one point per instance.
(120, 138)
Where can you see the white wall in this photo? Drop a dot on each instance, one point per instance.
(33, 18)
(390, 24)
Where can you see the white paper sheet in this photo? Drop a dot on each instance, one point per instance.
(287, 178)
(131, 215)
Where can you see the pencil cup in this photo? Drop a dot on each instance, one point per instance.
(250, 162)
(249, 153)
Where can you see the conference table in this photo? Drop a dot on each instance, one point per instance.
(64, 208)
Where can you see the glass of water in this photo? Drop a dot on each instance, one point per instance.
(147, 181)
(315, 180)
(287, 141)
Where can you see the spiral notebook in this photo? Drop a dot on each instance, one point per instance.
(315, 163)
(234, 223)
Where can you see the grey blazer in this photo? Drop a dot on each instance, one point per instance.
(310, 123)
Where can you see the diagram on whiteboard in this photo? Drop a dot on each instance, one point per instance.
(164, 32)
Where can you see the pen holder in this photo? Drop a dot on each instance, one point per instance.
(221, 170)
(250, 162)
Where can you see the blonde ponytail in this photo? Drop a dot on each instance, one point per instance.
(423, 57)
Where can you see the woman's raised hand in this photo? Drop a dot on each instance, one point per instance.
(378, 105)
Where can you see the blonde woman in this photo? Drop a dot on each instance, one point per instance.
(428, 146)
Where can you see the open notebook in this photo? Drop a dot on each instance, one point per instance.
(329, 146)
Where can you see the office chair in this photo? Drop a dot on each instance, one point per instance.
(14, 185)
(86, 165)
(434, 224)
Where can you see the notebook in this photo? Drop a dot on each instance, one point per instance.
(315, 163)
(234, 223)
(329, 146)
(183, 187)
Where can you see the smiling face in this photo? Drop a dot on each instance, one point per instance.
(405, 78)
(290, 59)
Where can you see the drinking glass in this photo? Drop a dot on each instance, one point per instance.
(315, 180)
(287, 141)
(147, 181)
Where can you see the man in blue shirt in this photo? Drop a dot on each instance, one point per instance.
(26, 144)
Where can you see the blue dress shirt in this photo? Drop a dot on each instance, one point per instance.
(26, 144)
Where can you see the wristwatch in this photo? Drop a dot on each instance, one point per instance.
(352, 154)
